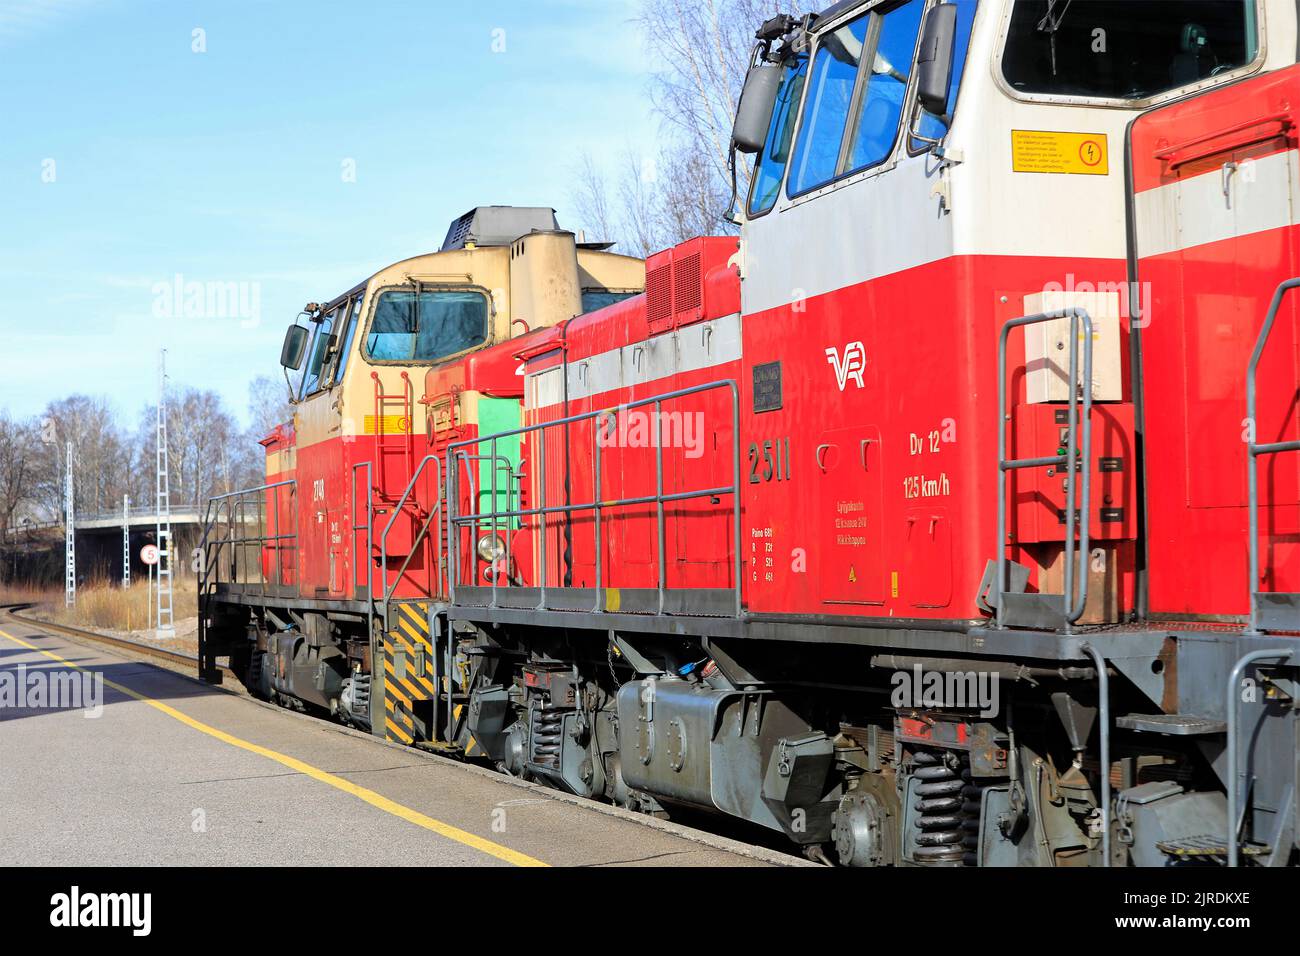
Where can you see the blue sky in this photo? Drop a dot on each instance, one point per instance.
(127, 159)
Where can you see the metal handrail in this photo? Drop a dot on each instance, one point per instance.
(1075, 596)
(1230, 705)
(476, 494)
(1255, 450)
(369, 528)
(397, 510)
(659, 499)
(232, 503)
(1103, 732)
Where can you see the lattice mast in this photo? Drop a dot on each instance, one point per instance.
(70, 541)
(163, 522)
(126, 541)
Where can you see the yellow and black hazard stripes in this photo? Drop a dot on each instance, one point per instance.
(408, 673)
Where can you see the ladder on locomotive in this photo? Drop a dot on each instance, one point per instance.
(393, 445)
(1005, 582)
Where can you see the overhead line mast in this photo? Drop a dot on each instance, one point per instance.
(163, 523)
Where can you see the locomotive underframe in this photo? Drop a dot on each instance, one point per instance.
(618, 707)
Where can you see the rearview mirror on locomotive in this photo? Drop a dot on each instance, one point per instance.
(294, 348)
(754, 112)
(934, 59)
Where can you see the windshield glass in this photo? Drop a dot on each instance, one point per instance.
(1125, 49)
(426, 327)
(593, 299)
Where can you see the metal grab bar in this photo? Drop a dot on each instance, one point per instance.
(369, 529)
(1230, 702)
(1103, 732)
(476, 492)
(1255, 450)
(397, 510)
(233, 504)
(454, 520)
(1075, 596)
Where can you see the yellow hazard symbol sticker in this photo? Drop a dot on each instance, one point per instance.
(853, 575)
(893, 584)
(1044, 151)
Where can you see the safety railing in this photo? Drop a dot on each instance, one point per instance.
(435, 573)
(232, 541)
(1271, 609)
(457, 457)
(1035, 609)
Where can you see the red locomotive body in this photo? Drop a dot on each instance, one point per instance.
(933, 520)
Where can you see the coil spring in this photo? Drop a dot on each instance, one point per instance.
(547, 735)
(948, 805)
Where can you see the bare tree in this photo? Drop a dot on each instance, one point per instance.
(268, 404)
(704, 47)
(17, 446)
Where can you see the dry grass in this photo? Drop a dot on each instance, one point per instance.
(105, 606)
(28, 594)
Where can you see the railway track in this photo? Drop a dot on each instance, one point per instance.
(175, 658)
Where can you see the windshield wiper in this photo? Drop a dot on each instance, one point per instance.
(1051, 24)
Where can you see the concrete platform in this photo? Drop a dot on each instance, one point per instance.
(175, 772)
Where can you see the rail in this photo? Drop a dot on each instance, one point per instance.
(1075, 593)
(1281, 610)
(418, 539)
(234, 506)
(455, 521)
(475, 496)
(1231, 701)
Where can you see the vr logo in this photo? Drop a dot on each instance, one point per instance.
(851, 366)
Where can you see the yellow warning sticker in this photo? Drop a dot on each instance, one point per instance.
(1044, 151)
(893, 584)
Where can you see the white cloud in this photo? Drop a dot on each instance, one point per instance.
(22, 18)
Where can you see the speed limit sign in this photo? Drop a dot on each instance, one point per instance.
(149, 554)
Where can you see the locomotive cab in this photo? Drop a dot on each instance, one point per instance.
(348, 518)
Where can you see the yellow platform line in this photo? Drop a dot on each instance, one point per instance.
(369, 796)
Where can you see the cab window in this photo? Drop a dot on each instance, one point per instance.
(885, 79)
(311, 379)
(776, 148)
(593, 299)
(1125, 49)
(856, 91)
(825, 114)
(340, 355)
(426, 325)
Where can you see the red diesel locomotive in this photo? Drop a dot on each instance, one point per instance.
(948, 515)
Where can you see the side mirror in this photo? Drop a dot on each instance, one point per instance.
(754, 112)
(295, 347)
(934, 59)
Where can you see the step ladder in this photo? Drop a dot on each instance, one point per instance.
(395, 409)
(1017, 608)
